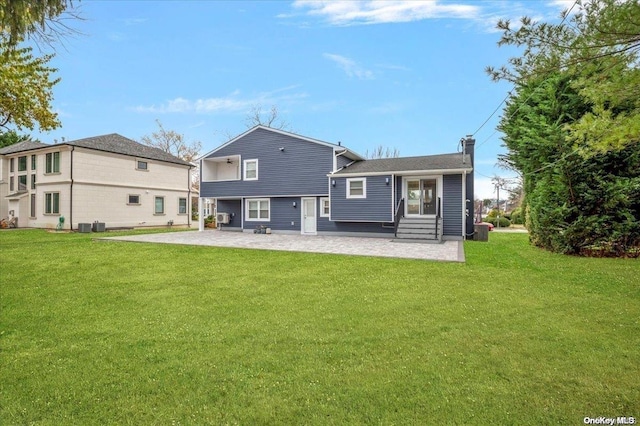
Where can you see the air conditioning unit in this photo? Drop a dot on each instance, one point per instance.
(222, 218)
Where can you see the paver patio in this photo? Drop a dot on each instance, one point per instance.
(448, 251)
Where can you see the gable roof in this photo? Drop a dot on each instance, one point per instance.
(347, 152)
(441, 162)
(22, 146)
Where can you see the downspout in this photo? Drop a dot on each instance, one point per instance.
(71, 194)
(189, 197)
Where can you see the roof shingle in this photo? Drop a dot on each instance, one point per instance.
(403, 164)
(120, 145)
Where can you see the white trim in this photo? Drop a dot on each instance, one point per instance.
(405, 195)
(237, 157)
(364, 188)
(393, 195)
(464, 206)
(403, 172)
(258, 219)
(281, 132)
(237, 197)
(322, 200)
(364, 221)
(244, 169)
(303, 229)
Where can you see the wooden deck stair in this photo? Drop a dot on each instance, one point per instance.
(424, 229)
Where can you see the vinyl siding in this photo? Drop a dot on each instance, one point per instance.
(281, 216)
(324, 225)
(300, 169)
(342, 161)
(376, 207)
(233, 207)
(452, 205)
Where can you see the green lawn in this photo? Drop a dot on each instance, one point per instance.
(95, 332)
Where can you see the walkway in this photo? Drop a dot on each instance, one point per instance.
(448, 251)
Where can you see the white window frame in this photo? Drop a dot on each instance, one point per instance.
(129, 203)
(258, 219)
(164, 205)
(244, 169)
(322, 212)
(186, 205)
(364, 188)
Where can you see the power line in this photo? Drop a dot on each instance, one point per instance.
(509, 94)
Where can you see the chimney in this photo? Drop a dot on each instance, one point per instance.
(468, 147)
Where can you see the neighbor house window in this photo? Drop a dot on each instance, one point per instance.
(52, 163)
(22, 183)
(11, 164)
(325, 207)
(11, 183)
(182, 206)
(33, 162)
(22, 163)
(258, 209)
(159, 205)
(142, 165)
(52, 202)
(32, 207)
(33, 181)
(133, 199)
(357, 188)
(250, 169)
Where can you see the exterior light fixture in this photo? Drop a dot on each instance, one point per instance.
(386, 180)
(294, 204)
(333, 183)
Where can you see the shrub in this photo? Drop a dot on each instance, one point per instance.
(517, 216)
(504, 222)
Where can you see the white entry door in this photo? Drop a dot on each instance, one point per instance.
(309, 223)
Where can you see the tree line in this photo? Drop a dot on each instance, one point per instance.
(571, 127)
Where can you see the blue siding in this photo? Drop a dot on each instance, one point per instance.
(233, 207)
(469, 196)
(300, 169)
(399, 193)
(342, 161)
(324, 225)
(375, 208)
(452, 205)
(282, 214)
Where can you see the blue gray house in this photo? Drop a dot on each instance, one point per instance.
(268, 178)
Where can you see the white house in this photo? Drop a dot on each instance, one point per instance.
(109, 179)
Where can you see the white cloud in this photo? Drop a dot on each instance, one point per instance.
(230, 103)
(350, 67)
(134, 21)
(378, 12)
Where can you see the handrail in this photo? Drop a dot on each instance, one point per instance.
(399, 214)
(438, 215)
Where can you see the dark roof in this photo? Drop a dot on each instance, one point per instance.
(108, 143)
(22, 146)
(402, 164)
(120, 145)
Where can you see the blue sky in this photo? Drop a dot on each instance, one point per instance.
(402, 74)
